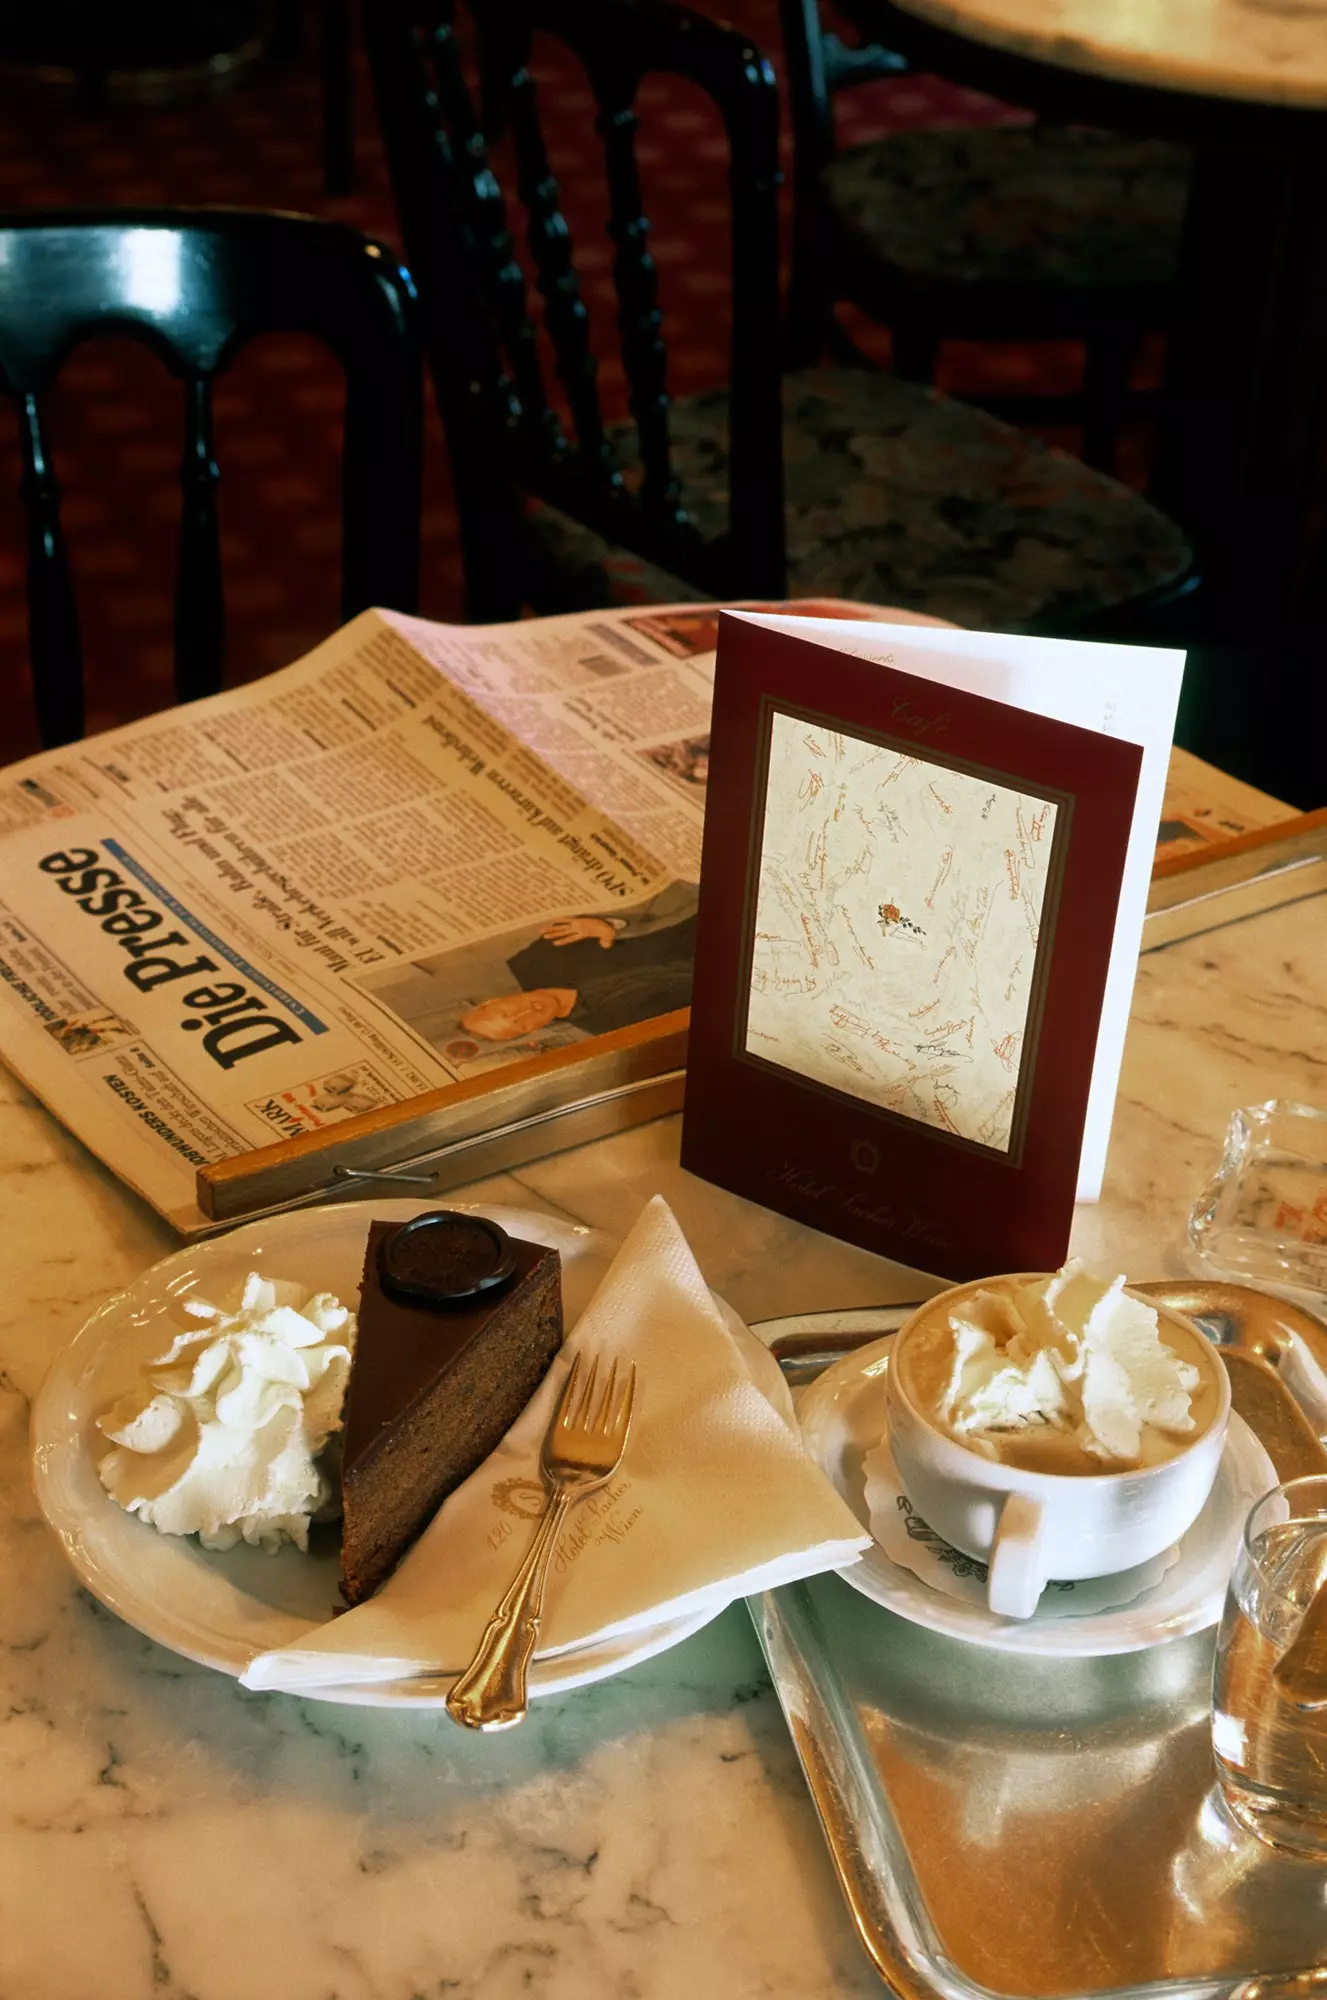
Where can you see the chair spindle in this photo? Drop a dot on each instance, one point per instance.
(53, 637)
(758, 538)
(565, 312)
(496, 248)
(640, 321)
(200, 616)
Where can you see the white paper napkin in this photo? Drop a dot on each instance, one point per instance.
(716, 1498)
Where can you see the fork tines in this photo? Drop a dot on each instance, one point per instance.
(576, 1409)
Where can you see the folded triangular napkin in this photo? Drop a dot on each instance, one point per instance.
(716, 1498)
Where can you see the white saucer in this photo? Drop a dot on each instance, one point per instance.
(842, 1414)
(223, 1610)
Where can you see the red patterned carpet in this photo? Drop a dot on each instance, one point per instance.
(116, 422)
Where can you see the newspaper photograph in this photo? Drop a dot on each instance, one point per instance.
(547, 985)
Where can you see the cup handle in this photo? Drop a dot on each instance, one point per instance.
(1017, 1574)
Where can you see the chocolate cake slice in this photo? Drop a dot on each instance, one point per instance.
(458, 1323)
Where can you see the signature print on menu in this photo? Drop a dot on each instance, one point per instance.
(897, 918)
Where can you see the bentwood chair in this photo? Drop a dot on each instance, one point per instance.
(195, 285)
(1022, 232)
(846, 483)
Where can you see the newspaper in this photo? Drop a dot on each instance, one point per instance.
(421, 853)
(1205, 807)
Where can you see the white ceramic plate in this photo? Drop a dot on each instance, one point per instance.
(842, 1414)
(223, 1610)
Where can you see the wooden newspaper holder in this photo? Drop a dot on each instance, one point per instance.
(465, 1131)
(1256, 871)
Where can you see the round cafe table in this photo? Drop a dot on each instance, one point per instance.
(1243, 455)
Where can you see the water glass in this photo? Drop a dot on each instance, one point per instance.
(1262, 1218)
(1271, 1756)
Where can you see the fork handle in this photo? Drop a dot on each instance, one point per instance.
(491, 1693)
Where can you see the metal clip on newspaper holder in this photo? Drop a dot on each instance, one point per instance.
(464, 1132)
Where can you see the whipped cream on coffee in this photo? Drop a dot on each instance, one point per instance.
(221, 1438)
(1061, 1369)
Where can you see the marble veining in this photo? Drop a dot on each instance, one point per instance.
(165, 1835)
(1260, 51)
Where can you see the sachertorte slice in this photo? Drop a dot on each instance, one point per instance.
(458, 1323)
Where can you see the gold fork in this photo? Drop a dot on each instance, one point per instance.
(582, 1451)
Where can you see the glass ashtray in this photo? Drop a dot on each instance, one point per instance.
(1263, 1215)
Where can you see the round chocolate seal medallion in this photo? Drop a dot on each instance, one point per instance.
(445, 1258)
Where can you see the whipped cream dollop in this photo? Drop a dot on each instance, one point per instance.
(221, 1438)
(1074, 1352)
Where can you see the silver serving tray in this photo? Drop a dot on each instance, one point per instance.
(1002, 1825)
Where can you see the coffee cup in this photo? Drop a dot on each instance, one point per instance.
(1049, 1516)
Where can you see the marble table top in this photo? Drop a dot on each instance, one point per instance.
(165, 1833)
(1260, 51)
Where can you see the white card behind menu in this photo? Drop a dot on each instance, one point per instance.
(1130, 692)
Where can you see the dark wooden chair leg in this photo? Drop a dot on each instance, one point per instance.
(53, 639)
(806, 318)
(1107, 370)
(287, 36)
(338, 59)
(92, 89)
(916, 349)
(200, 603)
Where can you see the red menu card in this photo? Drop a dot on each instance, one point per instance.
(907, 916)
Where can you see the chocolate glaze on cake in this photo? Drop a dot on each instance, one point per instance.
(449, 1351)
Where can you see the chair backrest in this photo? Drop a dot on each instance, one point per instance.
(195, 285)
(483, 343)
(817, 63)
